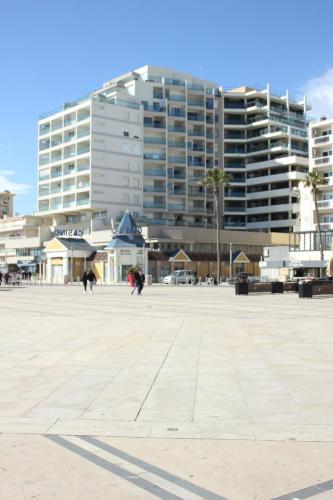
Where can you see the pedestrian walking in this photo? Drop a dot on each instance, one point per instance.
(137, 281)
(92, 280)
(142, 282)
(84, 280)
(0, 278)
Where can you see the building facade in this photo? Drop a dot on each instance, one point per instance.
(264, 148)
(6, 204)
(141, 142)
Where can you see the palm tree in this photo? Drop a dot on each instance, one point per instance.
(215, 179)
(313, 180)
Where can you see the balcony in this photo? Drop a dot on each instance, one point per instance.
(155, 172)
(154, 108)
(179, 113)
(69, 187)
(83, 116)
(321, 140)
(180, 130)
(175, 82)
(154, 156)
(235, 194)
(199, 210)
(234, 209)
(177, 98)
(150, 124)
(196, 133)
(56, 173)
(83, 166)
(83, 150)
(194, 102)
(196, 118)
(196, 87)
(154, 140)
(178, 176)
(67, 204)
(177, 159)
(154, 189)
(55, 190)
(324, 204)
(154, 205)
(82, 201)
(176, 144)
(192, 162)
(176, 207)
(323, 159)
(177, 192)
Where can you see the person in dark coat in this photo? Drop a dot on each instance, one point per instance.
(137, 281)
(92, 280)
(84, 280)
(142, 282)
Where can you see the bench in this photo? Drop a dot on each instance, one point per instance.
(308, 289)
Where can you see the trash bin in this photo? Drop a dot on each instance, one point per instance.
(305, 289)
(277, 287)
(149, 279)
(241, 288)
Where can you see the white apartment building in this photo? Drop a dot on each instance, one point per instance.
(90, 162)
(141, 142)
(264, 150)
(321, 161)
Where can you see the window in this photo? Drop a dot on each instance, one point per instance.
(126, 134)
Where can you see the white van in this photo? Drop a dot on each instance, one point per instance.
(177, 277)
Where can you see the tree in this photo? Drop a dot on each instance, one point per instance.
(215, 179)
(313, 180)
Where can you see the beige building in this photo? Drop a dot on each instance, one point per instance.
(6, 204)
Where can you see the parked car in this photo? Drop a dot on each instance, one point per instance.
(180, 276)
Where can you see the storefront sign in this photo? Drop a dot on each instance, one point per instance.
(68, 233)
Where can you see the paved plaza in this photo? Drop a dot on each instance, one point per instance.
(184, 392)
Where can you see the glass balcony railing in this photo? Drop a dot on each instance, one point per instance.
(83, 133)
(43, 177)
(177, 98)
(69, 154)
(80, 168)
(154, 109)
(195, 163)
(69, 187)
(177, 206)
(177, 175)
(56, 173)
(195, 86)
(173, 81)
(155, 172)
(176, 144)
(81, 185)
(177, 129)
(83, 116)
(234, 194)
(56, 206)
(179, 113)
(154, 140)
(154, 156)
(198, 133)
(81, 151)
(153, 124)
(200, 210)
(154, 189)
(193, 102)
(82, 201)
(69, 138)
(67, 204)
(196, 118)
(178, 192)
(43, 146)
(153, 204)
(177, 159)
(55, 143)
(69, 122)
(234, 209)
(43, 130)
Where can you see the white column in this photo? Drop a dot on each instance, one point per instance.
(49, 269)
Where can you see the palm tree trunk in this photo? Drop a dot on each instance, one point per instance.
(319, 234)
(218, 257)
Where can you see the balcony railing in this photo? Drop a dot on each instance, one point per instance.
(176, 206)
(177, 98)
(82, 201)
(177, 129)
(154, 125)
(320, 140)
(323, 159)
(154, 140)
(198, 133)
(176, 144)
(154, 189)
(155, 172)
(153, 204)
(196, 118)
(179, 113)
(154, 156)
(177, 159)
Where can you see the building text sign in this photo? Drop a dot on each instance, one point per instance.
(68, 233)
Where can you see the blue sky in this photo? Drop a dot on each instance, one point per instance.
(52, 52)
